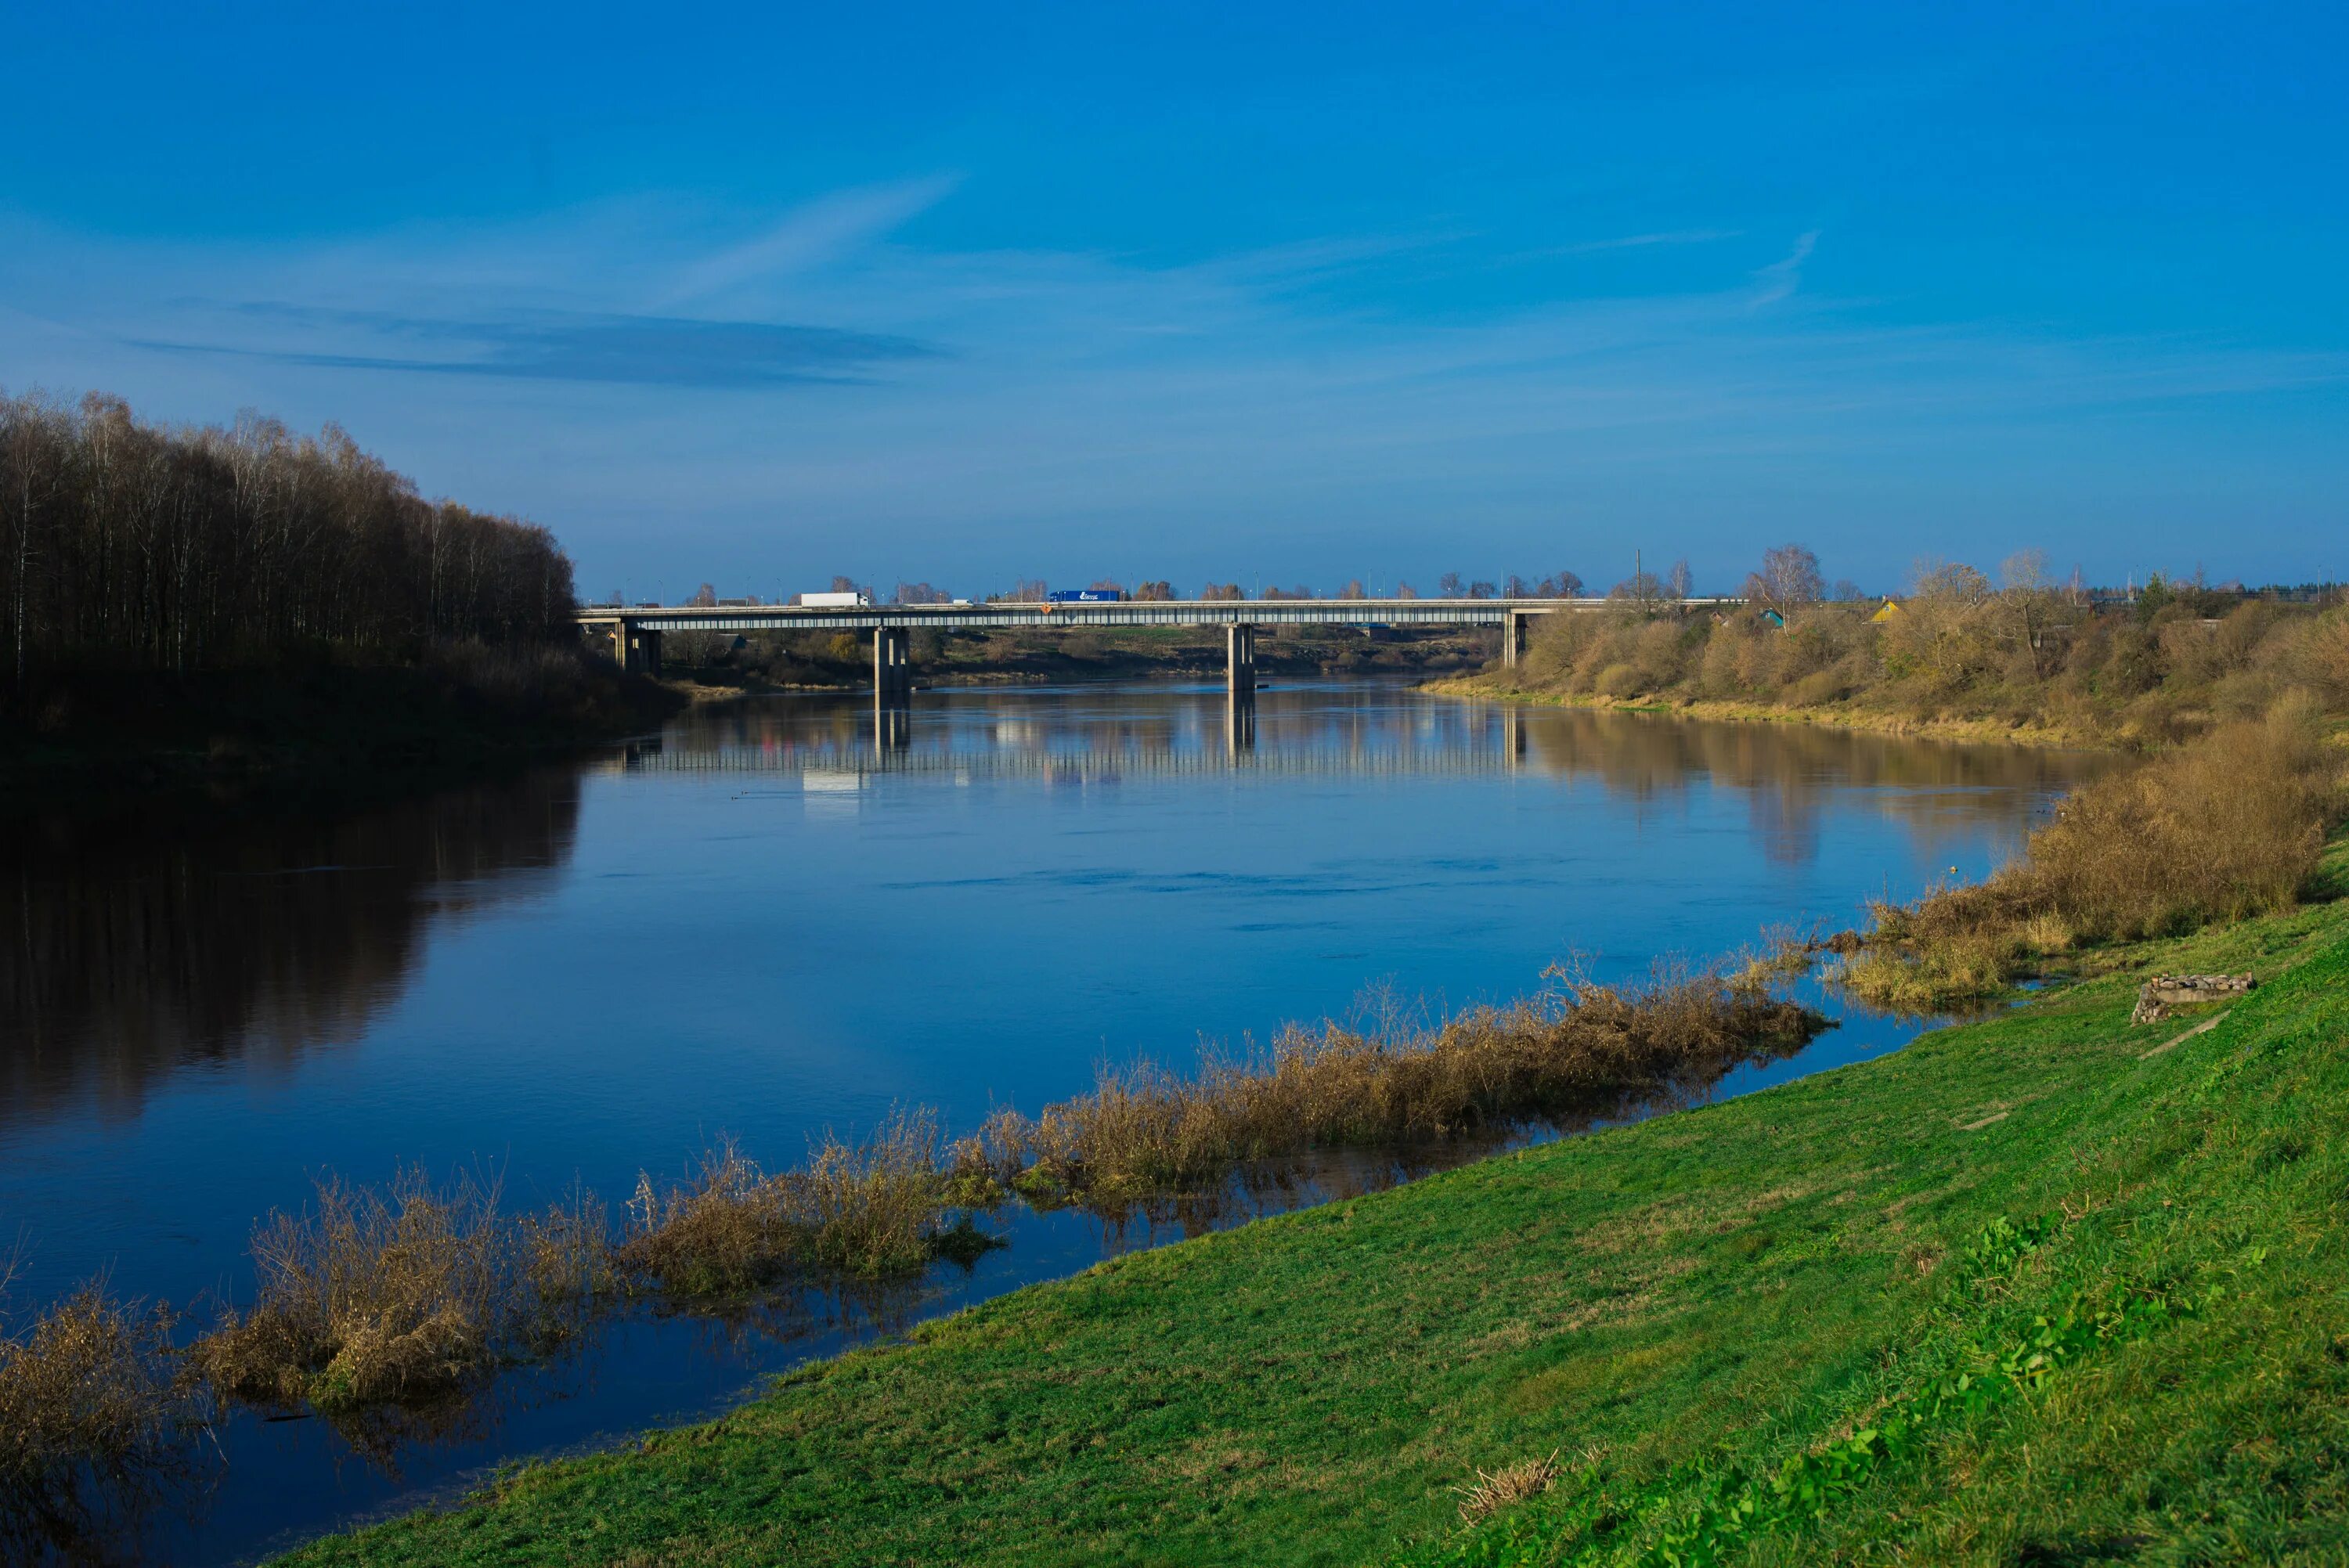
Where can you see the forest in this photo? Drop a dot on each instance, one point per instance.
(126, 544)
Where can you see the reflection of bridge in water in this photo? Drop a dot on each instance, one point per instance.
(1479, 742)
(1787, 774)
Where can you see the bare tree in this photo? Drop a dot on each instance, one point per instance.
(1449, 586)
(188, 548)
(1789, 579)
(1158, 590)
(1679, 578)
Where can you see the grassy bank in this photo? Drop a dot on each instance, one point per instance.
(329, 725)
(2043, 1288)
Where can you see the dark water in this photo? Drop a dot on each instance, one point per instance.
(784, 917)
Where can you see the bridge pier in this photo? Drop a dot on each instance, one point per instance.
(893, 667)
(1240, 648)
(1512, 640)
(635, 650)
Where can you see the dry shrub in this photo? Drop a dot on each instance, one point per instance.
(2228, 826)
(1507, 1487)
(872, 1208)
(92, 1419)
(401, 1293)
(2220, 829)
(1144, 1131)
(866, 1209)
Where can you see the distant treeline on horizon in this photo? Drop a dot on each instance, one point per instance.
(124, 544)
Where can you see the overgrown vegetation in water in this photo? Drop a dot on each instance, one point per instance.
(95, 1415)
(407, 1293)
(863, 1209)
(417, 1292)
(1145, 1131)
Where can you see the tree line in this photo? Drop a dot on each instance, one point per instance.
(133, 544)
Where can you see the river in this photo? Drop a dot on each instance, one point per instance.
(788, 914)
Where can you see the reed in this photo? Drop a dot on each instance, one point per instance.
(1146, 1131)
(863, 1210)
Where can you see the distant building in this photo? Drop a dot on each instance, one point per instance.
(1887, 612)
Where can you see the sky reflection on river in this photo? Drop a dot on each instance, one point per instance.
(774, 919)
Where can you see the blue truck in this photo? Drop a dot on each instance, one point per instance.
(1087, 596)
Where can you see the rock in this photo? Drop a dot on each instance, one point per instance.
(2162, 992)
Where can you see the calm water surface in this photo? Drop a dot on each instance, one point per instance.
(787, 915)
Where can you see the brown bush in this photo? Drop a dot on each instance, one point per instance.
(2223, 828)
(866, 1209)
(92, 1419)
(401, 1294)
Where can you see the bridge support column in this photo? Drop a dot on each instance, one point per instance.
(1239, 646)
(635, 650)
(1512, 640)
(893, 668)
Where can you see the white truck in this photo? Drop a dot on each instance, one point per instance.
(834, 601)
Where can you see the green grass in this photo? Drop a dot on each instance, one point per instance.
(1838, 1285)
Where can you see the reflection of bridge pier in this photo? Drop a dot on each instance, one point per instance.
(893, 724)
(1239, 647)
(1512, 738)
(1239, 720)
(893, 668)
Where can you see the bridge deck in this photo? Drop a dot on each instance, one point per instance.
(1129, 613)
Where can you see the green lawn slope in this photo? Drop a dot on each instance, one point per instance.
(2035, 1290)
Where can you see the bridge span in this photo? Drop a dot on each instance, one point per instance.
(634, 632)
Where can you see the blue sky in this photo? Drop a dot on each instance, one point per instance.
(1275, 293)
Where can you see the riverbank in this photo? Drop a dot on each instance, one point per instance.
(1668, 1308)
(811, 662)
(100, 741)
(1492, 687)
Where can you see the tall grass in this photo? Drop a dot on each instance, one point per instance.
(866, 1210)
(383, 1295)
(94, 1419)
(1145, 1132)
(2221, 829)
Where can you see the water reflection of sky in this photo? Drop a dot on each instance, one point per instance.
(766, 924)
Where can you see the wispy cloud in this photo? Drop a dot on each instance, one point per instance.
(634, 350)
(807, 236)
(1782, 278)
(1640, 242)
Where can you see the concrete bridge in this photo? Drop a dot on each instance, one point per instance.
(635, 632)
